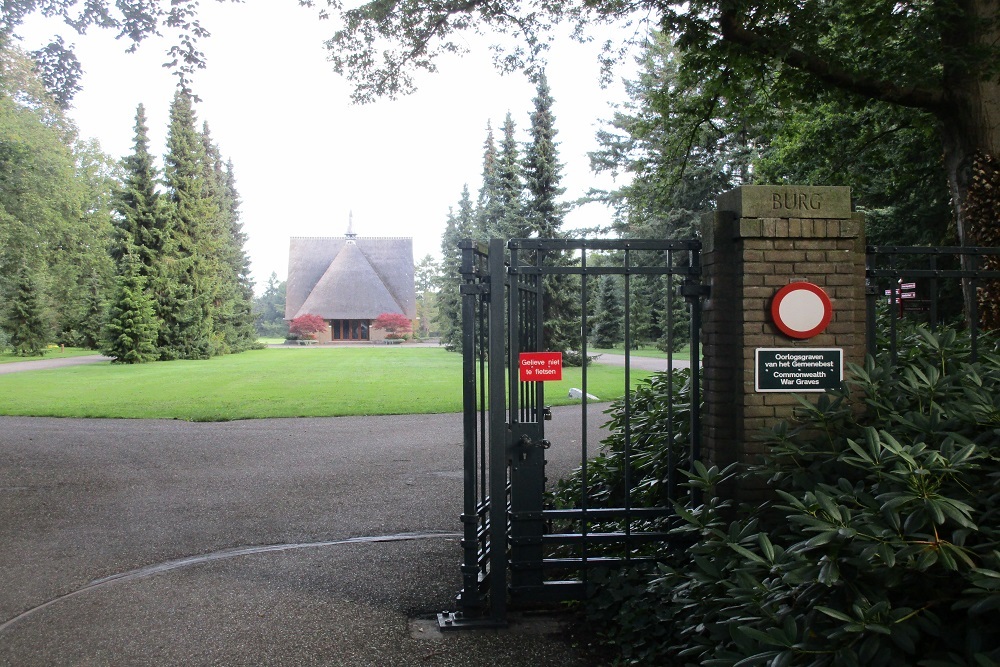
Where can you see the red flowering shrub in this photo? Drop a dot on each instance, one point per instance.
(396, 325)
(306, 326)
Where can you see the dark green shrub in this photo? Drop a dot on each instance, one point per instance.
(658, 444)
(881, 547)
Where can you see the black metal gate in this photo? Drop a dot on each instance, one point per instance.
(516, 550)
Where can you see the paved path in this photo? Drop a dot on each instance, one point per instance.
(640, 363)
(270, 542)
(42, 364)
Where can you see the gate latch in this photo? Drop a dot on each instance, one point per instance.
(527, 443)
(547, 413)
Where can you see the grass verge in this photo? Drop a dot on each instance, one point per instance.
(299, 382)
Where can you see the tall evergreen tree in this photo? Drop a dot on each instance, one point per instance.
(233, 301)
(132, 328)
(511, 222)
(426, 277)
(609, 328)
(142, 225)
(544, 218)
(542, 168)
(26, 322)
(269, 308)
(142, 231)
(241, 326)
(449, 315)
(188, 330)
(489, 205)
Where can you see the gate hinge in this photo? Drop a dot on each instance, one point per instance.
(481, 288)
(692, 290)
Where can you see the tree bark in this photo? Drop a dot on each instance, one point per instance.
(969, 126)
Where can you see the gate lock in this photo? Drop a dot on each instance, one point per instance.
(527, 444)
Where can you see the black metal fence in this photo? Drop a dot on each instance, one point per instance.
(926, 285)
(515, 546)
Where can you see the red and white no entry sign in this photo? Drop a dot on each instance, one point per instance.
(801, 310)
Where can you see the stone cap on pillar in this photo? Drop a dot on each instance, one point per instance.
(788, 201)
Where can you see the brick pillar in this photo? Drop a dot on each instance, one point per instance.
(761, 239)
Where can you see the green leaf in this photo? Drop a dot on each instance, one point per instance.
(833, 613)
(766, 547)
(746, 553)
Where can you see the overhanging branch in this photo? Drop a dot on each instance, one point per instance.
(919, 98)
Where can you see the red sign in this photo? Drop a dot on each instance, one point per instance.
(540, 366)
(801, 310)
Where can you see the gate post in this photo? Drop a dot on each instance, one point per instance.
(760, 239)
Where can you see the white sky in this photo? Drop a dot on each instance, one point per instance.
(305, 157)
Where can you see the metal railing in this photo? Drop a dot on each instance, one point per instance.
(514, 546)
(927, 285)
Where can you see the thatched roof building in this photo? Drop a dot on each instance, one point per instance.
(350, 281)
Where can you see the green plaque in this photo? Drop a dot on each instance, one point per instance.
(798, 369)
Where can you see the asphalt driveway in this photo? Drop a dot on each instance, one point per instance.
(270, 542)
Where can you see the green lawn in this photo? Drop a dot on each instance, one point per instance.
(298, 382)
(53, 353)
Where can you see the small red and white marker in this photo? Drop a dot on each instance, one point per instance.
(801, 310)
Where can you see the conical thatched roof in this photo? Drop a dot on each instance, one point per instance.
(356, 278)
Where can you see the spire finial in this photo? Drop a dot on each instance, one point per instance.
(350, 235)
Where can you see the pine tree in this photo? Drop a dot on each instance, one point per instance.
(489, 207)
(94, 312)
(242, 332)
(232, 310)
(188, 329)
(449, 315)
(269, 308)
(542, 168)
(509, 189)
(142, 232)
(426, 277)
(130, 334)
(609, 328)
(29, 331)
(142, 225)
(544, 218)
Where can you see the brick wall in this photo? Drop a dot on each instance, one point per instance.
(746, 260)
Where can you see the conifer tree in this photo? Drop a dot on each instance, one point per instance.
(94, 312)
(269, 308)
(511, 222)
(489, 208)
(544, 218)
(608, 330)
(449, 315)
(188, 330)
(542, 168)
(131, 332)
(142, 225)
(142, 231)
(29, 331)
(241, 329)
(232, 303)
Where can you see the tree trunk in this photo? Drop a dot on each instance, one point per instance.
(969, 124)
